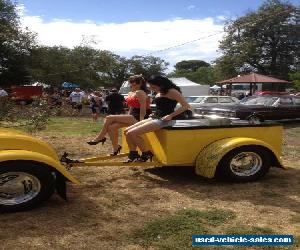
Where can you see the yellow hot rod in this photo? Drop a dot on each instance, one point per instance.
(31, 171)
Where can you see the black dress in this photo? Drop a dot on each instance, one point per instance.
(166, 106)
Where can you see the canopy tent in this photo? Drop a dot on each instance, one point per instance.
(215, 87)
(252, 78)
(187, 87)
(44, 85)
(69, 85)
(190, 88)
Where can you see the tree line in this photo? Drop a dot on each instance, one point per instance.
(266, 41)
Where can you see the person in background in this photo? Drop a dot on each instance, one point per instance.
(3, 93)
(166, 99)
(55, 99)
(115, 102)
(104, 107)
(3, 96)
(76, 98)
(139, 109)
(95, 100)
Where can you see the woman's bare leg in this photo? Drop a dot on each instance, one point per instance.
(129, 119)
(113, 130)
(134, 136)
(137, 124)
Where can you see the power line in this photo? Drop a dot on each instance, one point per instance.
(200, 38)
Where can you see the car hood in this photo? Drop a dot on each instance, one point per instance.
(11, 139)
(231, 107)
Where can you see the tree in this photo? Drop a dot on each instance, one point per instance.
(15, 46)
(266, 41)
(195, 70)
(295, 77)
(190, 65)
(147, 65)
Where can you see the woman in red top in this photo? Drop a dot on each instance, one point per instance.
(139, 109)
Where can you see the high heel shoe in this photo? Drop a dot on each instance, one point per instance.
(117, 151)
(103, 140)
(145, 156)
(133, 156)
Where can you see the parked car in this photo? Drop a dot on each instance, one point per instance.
(259, 108)
(204, 101)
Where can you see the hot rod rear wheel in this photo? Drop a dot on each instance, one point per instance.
(24, 185)
(246, 163)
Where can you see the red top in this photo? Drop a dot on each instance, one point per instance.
(133, 102)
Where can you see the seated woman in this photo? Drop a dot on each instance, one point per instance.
(166, 99)
(139, 109)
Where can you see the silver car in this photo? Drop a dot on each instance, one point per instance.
(204, 101)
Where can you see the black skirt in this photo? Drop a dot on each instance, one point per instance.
(135, 112)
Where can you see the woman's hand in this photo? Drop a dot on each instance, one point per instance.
(166, 118)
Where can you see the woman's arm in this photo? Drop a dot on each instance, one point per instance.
(142, 97)
(176, 95)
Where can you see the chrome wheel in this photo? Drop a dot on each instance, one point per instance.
(254, 120)
(18, 187)
(246, 163)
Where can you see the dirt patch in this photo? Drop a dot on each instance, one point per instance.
(113, 203)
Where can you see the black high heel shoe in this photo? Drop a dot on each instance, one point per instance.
(133, 156)
(117, 151)
(145, 156)
(103, 140)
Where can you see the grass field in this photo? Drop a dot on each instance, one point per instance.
(153, 208)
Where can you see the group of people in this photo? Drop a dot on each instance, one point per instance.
(99, 102)
(139, 119)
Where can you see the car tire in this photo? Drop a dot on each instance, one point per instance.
(244, 164)
(254, 119)
(24, 185)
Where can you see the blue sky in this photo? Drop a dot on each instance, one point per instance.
(135, 27)
(136, 10)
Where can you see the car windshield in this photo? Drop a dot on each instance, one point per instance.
(199, 99)
(266, 101)
(191, 98)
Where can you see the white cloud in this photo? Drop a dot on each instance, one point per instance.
(133, 38)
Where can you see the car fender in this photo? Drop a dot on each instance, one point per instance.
(209, 158)
(14, 155)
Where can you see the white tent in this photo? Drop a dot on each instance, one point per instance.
(190, 88)
(215, 87)
(187, 87)
(44, 85)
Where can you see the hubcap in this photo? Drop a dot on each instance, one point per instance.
(18, 187)
(246, 164)
(254, 120)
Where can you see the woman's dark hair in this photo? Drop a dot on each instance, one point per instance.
(163, 83)
(139, 79)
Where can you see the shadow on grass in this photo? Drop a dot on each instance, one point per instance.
(278, 188)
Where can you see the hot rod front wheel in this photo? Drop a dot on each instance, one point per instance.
(24, 185)
(246, 163)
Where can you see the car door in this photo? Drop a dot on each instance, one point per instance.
(225, 101)
(285, 107)
(296, 107)
(212, 100)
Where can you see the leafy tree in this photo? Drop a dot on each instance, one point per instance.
(147, 65)
(295, 77)
(224, 68)
(15, 46)
(266, 40)
(190, 65)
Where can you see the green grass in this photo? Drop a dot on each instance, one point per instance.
(80, 126)
(175, 231)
